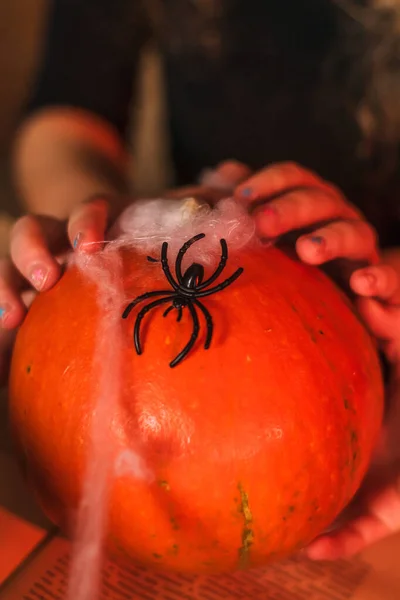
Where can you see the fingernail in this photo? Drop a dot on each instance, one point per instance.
(4, 309)
(77, 240)
(39, 276)
(317, 239)
(247, 192)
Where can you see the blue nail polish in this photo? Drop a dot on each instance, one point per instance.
(77, 240)
(247, 192)
(317, 239)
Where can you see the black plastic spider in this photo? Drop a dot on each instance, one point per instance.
(185, 292)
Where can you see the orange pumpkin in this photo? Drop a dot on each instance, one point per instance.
(255, 444)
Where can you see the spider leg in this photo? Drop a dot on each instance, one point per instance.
(145, 296)
(209, 321)
(219, 269)
(168, 310)
(179, 317)
(196, 328)
(165, 266)
(181, 254)
(151, 259)
(221, 286)
(139, 319)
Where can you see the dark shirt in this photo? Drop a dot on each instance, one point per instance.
(260, 81)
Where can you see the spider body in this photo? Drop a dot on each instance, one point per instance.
(185, 292)
(192, 277)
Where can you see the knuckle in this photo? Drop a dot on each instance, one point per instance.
(304, 202)
(369, 234)
(294, 170)
(97, 202)
(290, 168)
(94, 207)
(339, 203)
(336, 200)
(22, 225)
(283, 172)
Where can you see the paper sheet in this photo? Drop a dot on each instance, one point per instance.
(373, 576)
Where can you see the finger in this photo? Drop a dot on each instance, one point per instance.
(12, 309)
(87, 225)
(202, 193)
(380, 281)
(349, 540)
(300, 209)
(381, 519)
(227, 175)
(354, 240)
(30, 251)
(383, 321)
(277, 179)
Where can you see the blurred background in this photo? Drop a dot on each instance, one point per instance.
(22, 29)
(21, 23)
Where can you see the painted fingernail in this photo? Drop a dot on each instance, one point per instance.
(39, 276)
(317, 239)
(77, 240)
(247, 192)
(4, 310)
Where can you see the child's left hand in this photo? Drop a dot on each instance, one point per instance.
(285, 198)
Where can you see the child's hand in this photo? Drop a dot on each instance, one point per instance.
(38, 248)
(375, 512)
(287, 198)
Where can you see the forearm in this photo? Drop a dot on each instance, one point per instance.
(62, 157)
